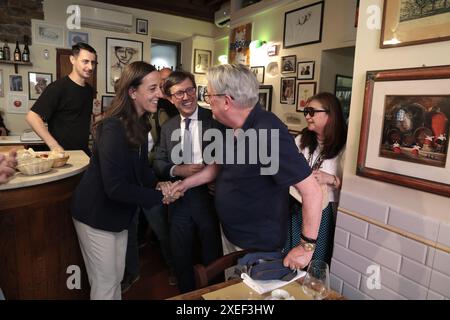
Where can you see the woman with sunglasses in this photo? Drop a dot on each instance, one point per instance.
(322, 143)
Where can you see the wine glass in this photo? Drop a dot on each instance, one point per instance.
(316, 282)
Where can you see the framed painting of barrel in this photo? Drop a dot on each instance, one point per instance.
(404, 135)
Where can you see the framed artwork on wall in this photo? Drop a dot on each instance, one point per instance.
(201, 91)
(15, 82)
(106, 102)
(240, 38)
(142, 26)
(259, 73)
(287, 94)
(73, 37)
(47, 34)
(119, 54)
(409, 22)
(405, 127)
(303, 26)
(202, 61)
(2, 85)
(305, 91)
(343, 91)
(305, 70)
(17, 103)
(288, 64)
(37, 83)
(265, 97)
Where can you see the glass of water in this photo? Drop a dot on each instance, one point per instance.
(316, 282)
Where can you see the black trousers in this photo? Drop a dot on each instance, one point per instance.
(193, 217)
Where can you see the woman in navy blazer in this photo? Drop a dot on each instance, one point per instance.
(117, 181)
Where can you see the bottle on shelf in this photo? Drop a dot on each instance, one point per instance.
(6, 52)
(26, 51)
(17, 53)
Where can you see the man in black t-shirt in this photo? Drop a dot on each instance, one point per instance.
(251, 196)
(66, 105)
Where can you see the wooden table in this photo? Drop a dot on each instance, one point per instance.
(197, 294)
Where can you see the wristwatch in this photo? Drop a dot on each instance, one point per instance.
(308, 246)
(307, 243)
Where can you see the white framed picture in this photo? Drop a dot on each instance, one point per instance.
(74, 37)
(48, 34)
(142, 26)
(17, 103)
(119, 54)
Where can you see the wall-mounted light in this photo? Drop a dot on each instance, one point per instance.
(223, 59)
(46, 54)
(255, 44)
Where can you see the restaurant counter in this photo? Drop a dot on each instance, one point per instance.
(40, 254)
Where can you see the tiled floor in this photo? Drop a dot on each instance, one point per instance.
(153, 283)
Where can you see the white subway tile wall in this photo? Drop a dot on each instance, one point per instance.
(444, 234)
(414, 223)
(415, 271)
(408, 269)
(395, 242)
(352, 225)
(371, 209)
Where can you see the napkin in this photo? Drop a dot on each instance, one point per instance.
(263, 286)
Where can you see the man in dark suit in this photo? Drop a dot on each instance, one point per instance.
(193, 216)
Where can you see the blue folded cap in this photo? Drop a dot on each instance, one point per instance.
(266, 266)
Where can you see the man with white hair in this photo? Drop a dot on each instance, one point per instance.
(252, 206)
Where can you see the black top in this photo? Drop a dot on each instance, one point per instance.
(253, 208)
(67, 108)
(117, 181)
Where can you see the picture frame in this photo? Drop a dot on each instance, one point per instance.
(17, 103)
(402, 25)
(265, 97)
(305, 70)
(259, 73)
(303, 26)
(305, 91)
(47, 34)
(201, 90)
(287, 90)
(120, 53)
(106, 102)
(74, 37)
(343, 91)
(289, 64)
(405, 122)
(142, 26)
(15, 82)
(2, 85)
(202, 61)
(37, 83)
(239, 47)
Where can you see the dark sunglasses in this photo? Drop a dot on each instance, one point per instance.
(312, 111)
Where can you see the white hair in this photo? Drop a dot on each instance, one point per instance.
(235, 80)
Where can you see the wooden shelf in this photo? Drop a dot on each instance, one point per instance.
(16, 63)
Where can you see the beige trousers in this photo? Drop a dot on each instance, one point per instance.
(104, 257)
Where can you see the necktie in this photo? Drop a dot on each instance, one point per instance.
(187, 143)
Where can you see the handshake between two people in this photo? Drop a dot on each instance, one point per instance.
(172, 191)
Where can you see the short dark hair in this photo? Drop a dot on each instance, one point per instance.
(81, 45)
(175, 78)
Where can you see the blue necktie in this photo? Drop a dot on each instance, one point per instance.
(187, 144)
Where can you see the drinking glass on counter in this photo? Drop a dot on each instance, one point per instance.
(316, 283)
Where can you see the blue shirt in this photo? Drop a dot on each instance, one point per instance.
(253, 208)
